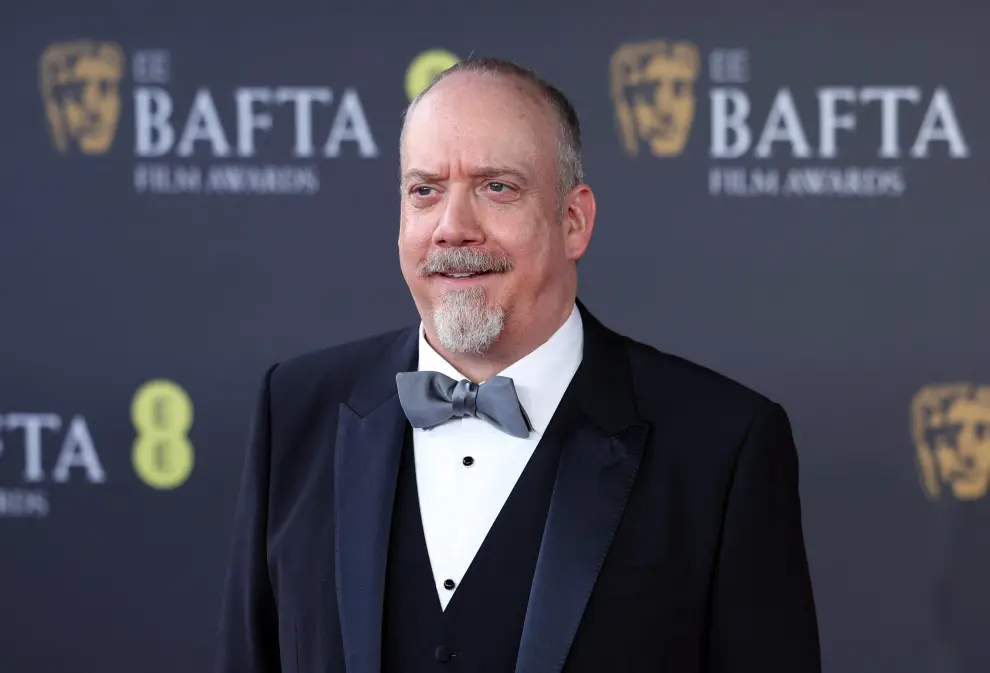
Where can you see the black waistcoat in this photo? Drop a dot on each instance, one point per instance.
(481, 628)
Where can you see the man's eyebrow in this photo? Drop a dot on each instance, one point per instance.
(418, 175)
(498, 172)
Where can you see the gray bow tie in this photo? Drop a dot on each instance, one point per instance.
(431, 398)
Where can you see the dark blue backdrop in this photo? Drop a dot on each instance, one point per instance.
(798, 200)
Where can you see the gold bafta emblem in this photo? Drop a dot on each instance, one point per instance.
(80, 88)
(950, 424)
(653, 93)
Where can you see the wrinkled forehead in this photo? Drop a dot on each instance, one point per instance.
(470, 120)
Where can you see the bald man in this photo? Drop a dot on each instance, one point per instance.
(509, 486)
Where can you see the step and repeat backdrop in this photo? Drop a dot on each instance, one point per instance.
(192, 193)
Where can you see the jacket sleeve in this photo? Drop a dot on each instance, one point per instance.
(248, 629)
(762, 610)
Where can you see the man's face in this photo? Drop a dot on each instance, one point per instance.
(479, 210)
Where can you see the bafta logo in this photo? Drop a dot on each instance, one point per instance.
(950, 424)
(653, 93)
(80, 88)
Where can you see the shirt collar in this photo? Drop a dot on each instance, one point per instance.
(540, 378)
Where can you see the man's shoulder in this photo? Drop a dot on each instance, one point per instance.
(333, 369)
(677, 381)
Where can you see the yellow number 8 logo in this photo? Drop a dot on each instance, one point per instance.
(162, 414)
(425, 67)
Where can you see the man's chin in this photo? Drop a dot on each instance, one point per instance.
(467, 324)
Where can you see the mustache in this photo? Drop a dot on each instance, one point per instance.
(465, 260)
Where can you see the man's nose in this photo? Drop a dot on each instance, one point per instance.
(459, 224)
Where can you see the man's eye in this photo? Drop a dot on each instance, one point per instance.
(497, 187)
(422, 191)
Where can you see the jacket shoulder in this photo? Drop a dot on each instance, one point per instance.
(676, 381)
(330, 371)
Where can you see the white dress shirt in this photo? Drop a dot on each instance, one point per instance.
(459, 501)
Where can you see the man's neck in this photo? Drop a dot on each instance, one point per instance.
(478, 368)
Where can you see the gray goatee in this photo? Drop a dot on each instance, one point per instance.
(462, 319)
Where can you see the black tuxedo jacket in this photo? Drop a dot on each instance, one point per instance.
(673, 542)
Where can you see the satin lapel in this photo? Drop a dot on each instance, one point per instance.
(370, 434)
(597, 470)
(593, 483)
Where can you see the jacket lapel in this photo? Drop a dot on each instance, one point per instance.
(597, 469)
(370, 434)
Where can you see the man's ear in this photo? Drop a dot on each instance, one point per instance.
(579, 220)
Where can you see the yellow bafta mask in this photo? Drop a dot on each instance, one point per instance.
(653, 93)
(951, 428)
(80, 88)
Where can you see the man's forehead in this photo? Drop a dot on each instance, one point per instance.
(462, 88)
(473, 129)
(472, 99)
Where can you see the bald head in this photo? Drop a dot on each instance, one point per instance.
(528, 87)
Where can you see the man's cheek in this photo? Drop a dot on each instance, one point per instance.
(415, 234)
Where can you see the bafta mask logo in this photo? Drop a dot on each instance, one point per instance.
(80, 88)
(653, 93)
(951, 428)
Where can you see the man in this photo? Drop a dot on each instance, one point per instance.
(511, 486)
